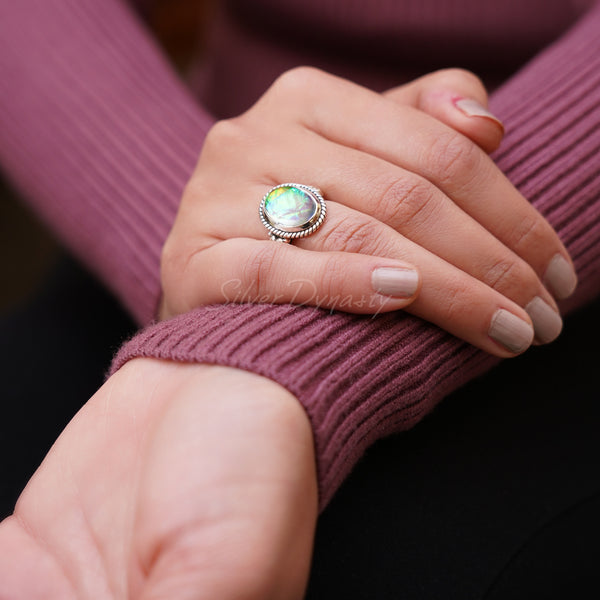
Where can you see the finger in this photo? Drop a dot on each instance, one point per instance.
(242, 270)
(410, 139)
(448, 296)
(457, 98)
(421, 212)
(411, 206)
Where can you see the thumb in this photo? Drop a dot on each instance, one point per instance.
(457, 98)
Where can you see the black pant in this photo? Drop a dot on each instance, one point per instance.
(495, 495)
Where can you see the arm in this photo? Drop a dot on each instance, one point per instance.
(360, 378)
(104, 157)
(102, 141)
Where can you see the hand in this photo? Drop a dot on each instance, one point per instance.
(173, 481)
(404, 188)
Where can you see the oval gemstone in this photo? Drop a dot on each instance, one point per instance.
(290, 208)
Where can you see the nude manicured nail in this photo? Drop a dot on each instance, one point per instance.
(560, 277)
(472, 108)
(511, 332)
(400, 283)
(547, 323)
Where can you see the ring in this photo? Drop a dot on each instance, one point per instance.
(292, 210)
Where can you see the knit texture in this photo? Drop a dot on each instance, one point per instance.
(104, 139)
(98, 134)
(361, 378)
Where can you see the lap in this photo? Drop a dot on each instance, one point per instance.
(495, 495)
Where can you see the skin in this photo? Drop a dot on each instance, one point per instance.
(194, 481)
(404, 187)
(173, 482)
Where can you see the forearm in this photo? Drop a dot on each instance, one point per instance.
(98, 133)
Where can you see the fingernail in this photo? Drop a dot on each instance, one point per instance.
(547, 323)
(560, 277)
(391, 281)
(511, 332)
(472, 108)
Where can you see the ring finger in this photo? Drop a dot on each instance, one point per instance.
(416, 209)
(449, 297)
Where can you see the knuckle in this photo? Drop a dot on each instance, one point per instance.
(452, 308)
(531, 232)
(508, 274)
(223, 134)
(405, 200)
(257, 270)
(298, 79)
(196, 190)
(351, 235)
(453, 158)
(460, 77)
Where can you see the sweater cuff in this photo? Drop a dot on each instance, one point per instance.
(359, 378)
(99, 135)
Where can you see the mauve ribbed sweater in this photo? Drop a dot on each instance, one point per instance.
(101, 136)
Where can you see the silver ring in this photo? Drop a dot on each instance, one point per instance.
(292, 210)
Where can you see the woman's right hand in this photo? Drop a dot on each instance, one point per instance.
(173, 481)
(418, 215)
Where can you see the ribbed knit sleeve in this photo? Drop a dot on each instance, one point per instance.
(98, 133)
(361, 378)
(552, 148)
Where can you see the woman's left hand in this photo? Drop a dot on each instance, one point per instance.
(418, 216)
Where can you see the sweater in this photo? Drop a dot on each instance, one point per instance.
(100, 135)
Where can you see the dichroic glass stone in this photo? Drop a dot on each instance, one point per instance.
(290, 207)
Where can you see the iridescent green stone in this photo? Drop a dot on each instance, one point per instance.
(290, 208)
